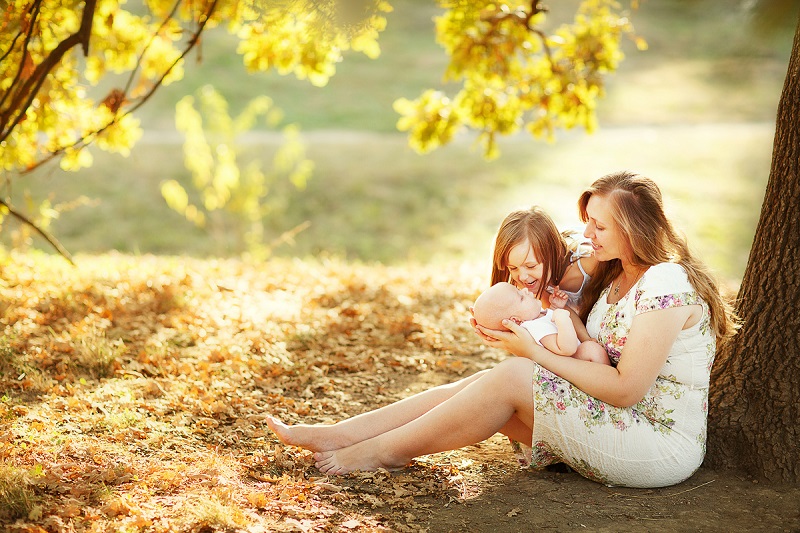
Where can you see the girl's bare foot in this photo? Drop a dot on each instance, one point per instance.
(363, 456)
(317, 438)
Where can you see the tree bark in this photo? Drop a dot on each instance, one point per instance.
(755, 383)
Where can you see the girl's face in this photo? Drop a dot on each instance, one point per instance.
(601, 229)
(523, 267)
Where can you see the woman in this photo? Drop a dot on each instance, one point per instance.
(638, 423)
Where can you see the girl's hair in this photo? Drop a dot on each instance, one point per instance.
(638, 212)
(549, 245)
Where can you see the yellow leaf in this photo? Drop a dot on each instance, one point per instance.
(35, 513)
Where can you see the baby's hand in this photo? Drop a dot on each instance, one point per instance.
(559, 299)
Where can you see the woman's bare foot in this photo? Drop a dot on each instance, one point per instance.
(363, 456)
(314, 437)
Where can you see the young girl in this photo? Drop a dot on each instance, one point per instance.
(531, 253)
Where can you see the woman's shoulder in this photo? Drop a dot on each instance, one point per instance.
(667, 269)
(666, 278)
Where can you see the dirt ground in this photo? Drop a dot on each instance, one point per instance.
(509, 500)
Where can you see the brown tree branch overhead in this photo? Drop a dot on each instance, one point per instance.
(121, 96)
(24, 95)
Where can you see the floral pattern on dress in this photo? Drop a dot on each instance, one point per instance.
(544, 454)
(554, 394)
(582, 467)
(666, 301)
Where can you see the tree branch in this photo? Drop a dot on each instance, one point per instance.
(11, 89)
(43, 233)
(84, 140)
(32, 85)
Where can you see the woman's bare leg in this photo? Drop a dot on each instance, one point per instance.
(475, 413)
(518, 430)
(327, 437)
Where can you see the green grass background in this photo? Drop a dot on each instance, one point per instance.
(695, 112)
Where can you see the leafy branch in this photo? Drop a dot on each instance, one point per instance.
(24, 89)
(116, 97)
(31, 85)
(41, 231)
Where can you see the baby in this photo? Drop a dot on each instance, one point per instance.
(551, 328)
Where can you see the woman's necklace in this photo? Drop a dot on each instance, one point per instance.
(616, 289)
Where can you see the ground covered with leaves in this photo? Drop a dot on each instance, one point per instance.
(134, 394)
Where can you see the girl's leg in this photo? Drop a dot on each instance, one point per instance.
(326, 437)
(475, 413)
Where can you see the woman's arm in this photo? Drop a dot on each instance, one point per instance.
(649, 341)
(580, 327)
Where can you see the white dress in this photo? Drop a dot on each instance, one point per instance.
(659, 441)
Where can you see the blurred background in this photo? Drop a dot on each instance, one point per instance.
(695, 112)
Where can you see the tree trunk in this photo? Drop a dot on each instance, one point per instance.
(755, 384)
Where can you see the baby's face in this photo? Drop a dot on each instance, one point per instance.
(521, 303)
(502, 301)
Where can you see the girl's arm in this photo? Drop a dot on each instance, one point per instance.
(650, 339)
(589, 264)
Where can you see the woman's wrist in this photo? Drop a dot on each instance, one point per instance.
(527, 348)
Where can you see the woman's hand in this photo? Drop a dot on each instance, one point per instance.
(515, 339)
(480, 331)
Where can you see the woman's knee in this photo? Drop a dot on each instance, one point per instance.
(516, 364)
(517, 370)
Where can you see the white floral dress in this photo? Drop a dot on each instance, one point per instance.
(659, 441)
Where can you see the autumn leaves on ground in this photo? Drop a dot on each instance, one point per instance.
(135, 389)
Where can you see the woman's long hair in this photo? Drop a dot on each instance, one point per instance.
(549, 245)
(638, 211)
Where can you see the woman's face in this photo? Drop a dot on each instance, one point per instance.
(601, 229)
(523, 267)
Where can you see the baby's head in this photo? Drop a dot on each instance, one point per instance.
(504, 301)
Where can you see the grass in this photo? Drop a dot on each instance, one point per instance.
(17, 496)
(396, 206)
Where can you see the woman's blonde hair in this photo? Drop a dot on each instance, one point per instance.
(638, 212)
(549, 245)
